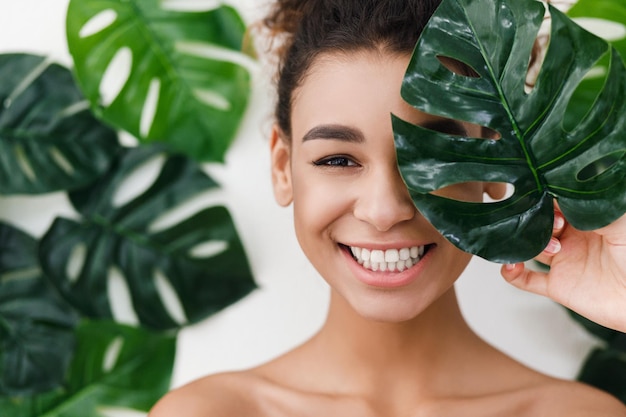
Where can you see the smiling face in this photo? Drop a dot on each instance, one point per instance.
(354, 218)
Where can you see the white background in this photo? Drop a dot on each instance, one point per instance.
(291, 300)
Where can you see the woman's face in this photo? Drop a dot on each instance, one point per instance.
(353, 214)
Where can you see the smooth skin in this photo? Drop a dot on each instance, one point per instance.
(587, 272)
(384, 351)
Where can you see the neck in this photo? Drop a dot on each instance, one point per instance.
(372, 354)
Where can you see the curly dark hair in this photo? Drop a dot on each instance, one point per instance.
(314, 27)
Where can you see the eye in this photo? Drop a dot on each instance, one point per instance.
(336, 161)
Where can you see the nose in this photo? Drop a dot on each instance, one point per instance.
(385, 200)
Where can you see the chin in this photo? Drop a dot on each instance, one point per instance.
(386, 309)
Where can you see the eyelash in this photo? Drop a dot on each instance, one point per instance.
(336, 161)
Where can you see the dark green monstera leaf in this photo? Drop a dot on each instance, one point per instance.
(49, 139)
(185, 84)
(605, 366)
(583, 167)
(606, 370)
(36, 325)
(115, 368)
(199, 257)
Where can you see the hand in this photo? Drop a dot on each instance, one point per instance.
(587, 272)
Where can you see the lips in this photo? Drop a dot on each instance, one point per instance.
(381, 271)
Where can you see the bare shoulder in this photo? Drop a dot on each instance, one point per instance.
(577, 400)
(221, 395)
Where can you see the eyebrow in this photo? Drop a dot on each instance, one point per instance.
(449, 126)
(335, 132)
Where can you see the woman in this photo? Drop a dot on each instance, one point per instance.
(394, 342)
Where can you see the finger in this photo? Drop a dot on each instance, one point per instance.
(559, 224)
(525, 279)
(553, 248)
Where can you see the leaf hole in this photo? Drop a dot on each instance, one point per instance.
(208, 249)
(213, 52)
(599, 167)
(76, 262)
(138, 181)
(608, 29)
(150, 107)
(115, 76)
(191, 5)
(61, 161)
(98, 23)
(458, 67)
(24, 163)
(586, 93)
(120, 299)
(170, 298)
(119, 412)
(183, 211)
(538, 53)
(498, 191)
(213, 99)
(112, 354)
(460, 128)
(477, 192)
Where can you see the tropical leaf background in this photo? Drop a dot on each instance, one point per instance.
(65, 349)
(113, 368)
(175, 76)
(45, 116)
(36, 326)
(79, 257)
(583, 167)
(137, 63)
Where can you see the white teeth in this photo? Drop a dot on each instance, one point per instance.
(388, 260)
(392, 255)
(377, 256)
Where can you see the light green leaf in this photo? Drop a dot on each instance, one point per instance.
(178, 74)
(584, 168)
(608, 19)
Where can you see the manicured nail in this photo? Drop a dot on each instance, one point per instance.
(510, 267)
(554, 246)
(559, 222)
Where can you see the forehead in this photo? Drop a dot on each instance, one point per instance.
(361, 89)
(352, 85)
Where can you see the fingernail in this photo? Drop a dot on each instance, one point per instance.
(554, 246)
(509, 267)
(559, 222)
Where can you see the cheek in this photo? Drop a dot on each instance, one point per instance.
(318, 202)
